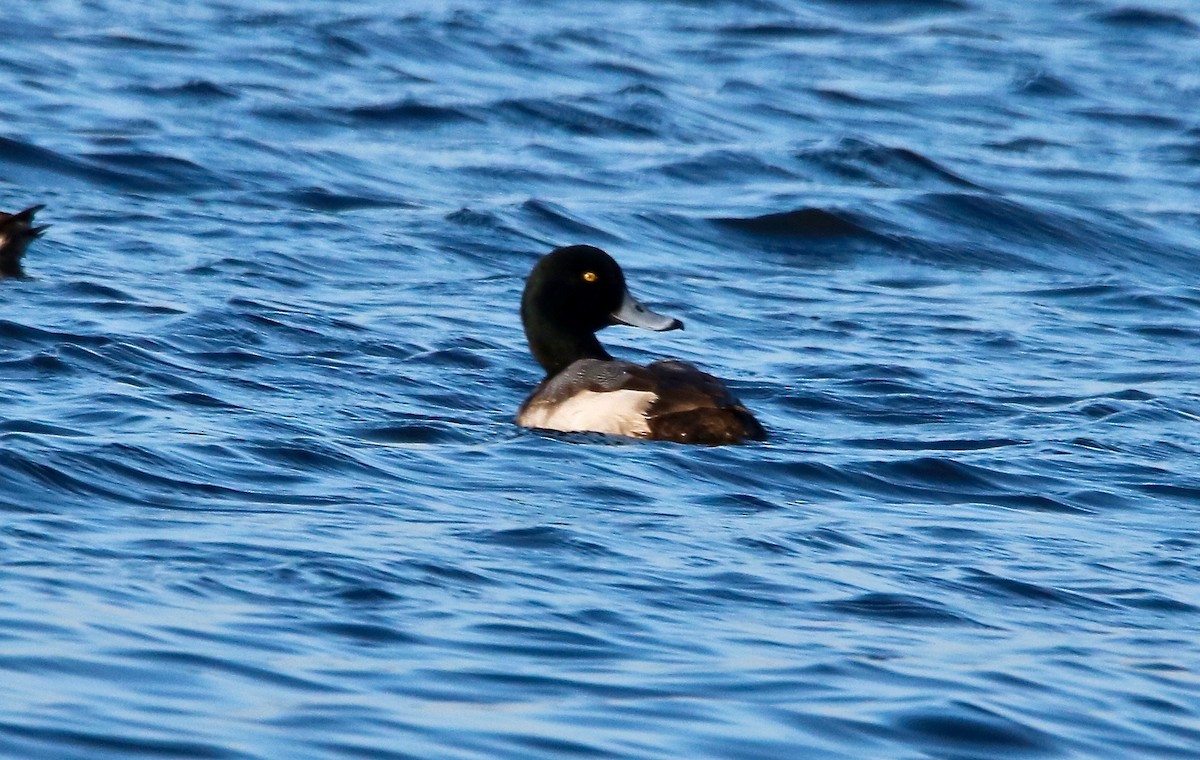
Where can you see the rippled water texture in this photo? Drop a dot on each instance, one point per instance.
(261, 495)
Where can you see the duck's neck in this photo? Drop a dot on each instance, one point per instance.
(555, 349)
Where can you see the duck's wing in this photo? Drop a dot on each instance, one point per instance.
(16, 233)
(692, 406)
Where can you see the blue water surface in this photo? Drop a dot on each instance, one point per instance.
(261, 494)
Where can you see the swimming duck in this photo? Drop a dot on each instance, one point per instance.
(16, 233)
(575, 291)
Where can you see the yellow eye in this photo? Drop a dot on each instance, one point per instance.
(590, 277)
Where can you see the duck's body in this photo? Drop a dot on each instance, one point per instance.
(572, 293)
(16, 233)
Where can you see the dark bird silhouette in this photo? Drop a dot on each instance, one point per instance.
(16, 233)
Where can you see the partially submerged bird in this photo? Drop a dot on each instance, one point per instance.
(571, 293)
(16, 233)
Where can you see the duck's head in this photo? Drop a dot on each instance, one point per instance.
(571, 293)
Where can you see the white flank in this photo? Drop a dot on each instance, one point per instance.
(614, 412)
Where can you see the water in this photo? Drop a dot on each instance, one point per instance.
(262, 495)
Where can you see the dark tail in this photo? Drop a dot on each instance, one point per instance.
(16, 233)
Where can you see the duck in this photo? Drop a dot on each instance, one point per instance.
(16, 233)
(572, 293)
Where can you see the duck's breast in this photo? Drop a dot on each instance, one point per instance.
(592, 395)
(619, 412)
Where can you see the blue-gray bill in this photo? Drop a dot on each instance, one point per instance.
(631, 312)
